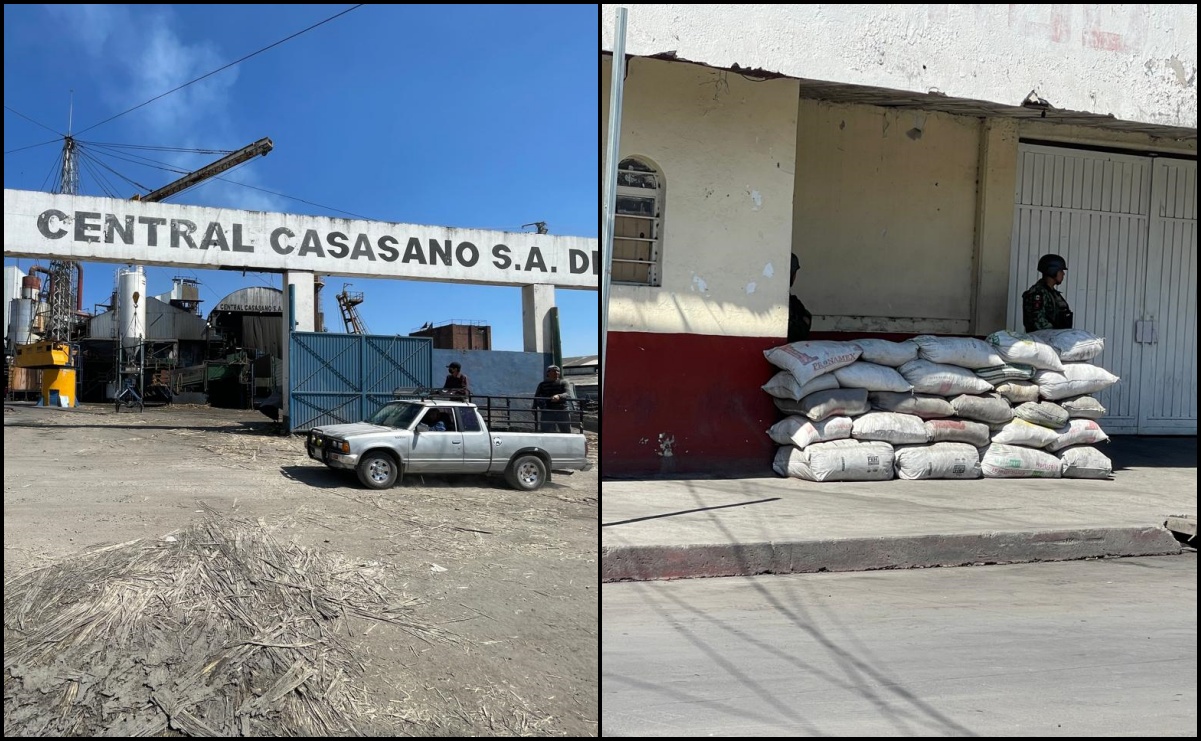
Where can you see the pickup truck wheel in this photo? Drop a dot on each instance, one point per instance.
(526, 473)
(377, 471)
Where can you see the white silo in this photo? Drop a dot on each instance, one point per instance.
(131, 316)
(21, 321)
(12, 289)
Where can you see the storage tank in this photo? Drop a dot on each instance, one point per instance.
(12, 289)
(21, 320)
(131, 318)
(30, 287)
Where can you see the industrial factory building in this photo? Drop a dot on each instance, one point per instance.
(231, 358)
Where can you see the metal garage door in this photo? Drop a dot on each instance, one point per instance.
(338, 378)
(1169, 393)
(1127, 226)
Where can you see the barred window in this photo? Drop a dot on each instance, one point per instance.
(637, 224)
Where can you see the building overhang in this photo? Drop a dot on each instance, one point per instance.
(1033, 108)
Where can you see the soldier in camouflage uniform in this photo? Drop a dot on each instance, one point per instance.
(1042, 306)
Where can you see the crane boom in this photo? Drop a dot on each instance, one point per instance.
(229, 161)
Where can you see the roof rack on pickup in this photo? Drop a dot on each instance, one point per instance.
(512, 413)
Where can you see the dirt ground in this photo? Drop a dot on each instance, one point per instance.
(512, 575)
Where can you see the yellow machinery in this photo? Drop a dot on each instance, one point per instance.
(58, 362)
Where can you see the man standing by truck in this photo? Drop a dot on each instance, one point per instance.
(551, 398)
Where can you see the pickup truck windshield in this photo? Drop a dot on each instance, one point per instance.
(397, 414)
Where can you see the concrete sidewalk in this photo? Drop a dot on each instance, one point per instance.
(668, 529)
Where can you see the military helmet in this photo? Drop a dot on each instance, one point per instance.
(1051, 264)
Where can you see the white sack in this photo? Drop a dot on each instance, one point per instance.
(1015, 462)
(887, 352)
(1025, 349)
(958, 430)
(840, 460)
(898, 429)
(783, 385)
(991, 408)
(1018, 392)
(1076, 379)
(801, 432)
(942, 380)
(926, 406)
(1077, 432)
(1083, 406)
(823, 404)
(937, 461)
(1085, 463)
(965, 352)
(871, 376)
(999, 374)
(809, 359)
(1021, 432)
(1043, 413)
(1073, 345)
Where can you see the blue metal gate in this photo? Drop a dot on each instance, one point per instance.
(338, 378)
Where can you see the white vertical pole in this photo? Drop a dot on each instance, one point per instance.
(617, 86)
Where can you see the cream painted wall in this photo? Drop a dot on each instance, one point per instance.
(884, 215)
(1136, 62)
(883, 249)
(726, 147)
(994, 224)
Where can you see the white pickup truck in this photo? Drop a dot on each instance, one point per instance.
(401, 437)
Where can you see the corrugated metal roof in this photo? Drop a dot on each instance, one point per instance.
(253, 299)
(163, 322)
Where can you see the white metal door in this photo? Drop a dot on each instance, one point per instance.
(1169, 322)
(1092, 208)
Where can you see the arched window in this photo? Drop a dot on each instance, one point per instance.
(637, 223)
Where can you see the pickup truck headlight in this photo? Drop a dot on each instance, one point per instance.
(341, 446)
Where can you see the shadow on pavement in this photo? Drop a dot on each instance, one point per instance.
(1131, 451)
(688, 511)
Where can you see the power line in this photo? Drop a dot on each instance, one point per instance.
(294, 198)
(27, 118)
(89, 160)
(114, 145)
(202, 183)
(131, 182)
(231, 64)
(31, 146)
(171, 168)
(86, 166)
(141, 161)
(55, 166)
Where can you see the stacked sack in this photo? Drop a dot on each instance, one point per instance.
(940, 407)
(1052, 437)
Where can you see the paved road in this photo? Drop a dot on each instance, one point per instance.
(666, 529)
(1083, 648)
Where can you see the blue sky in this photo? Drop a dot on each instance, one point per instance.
(479, 117)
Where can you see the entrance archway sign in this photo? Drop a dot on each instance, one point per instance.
(86, 228)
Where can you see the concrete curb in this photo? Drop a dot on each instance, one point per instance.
(648, 563)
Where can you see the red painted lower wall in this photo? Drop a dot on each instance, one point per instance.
(695, 395)
(701, 394)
